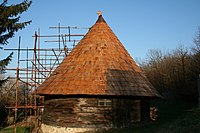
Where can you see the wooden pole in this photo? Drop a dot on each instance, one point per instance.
(27, 85)
(59, 36)
(35, 88)
(17, 87)
(198, 84)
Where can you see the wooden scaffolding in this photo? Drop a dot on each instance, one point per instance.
(36, 64)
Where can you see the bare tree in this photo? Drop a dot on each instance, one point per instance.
(171, 72)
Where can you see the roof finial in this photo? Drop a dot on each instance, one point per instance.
(99, 13)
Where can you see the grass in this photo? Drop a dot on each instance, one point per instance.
(20, 129)
(173, 117)
(11, 130)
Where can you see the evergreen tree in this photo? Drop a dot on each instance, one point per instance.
(9, 25)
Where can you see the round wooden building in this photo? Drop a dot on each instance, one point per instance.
(97, 86)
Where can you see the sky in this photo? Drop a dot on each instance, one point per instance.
(140, 25)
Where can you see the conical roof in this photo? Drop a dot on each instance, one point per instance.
(98, 65)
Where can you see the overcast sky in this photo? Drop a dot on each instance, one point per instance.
(139, 24)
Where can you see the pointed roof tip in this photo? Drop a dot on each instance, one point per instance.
(100, 19)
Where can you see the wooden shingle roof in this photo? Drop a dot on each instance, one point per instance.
(98, 65)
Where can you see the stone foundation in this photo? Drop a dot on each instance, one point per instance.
(56, 129)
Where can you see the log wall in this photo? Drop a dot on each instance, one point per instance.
(91, 112)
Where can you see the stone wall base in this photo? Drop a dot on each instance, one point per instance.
(56, 129)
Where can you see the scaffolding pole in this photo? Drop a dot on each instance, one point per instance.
(16, 92)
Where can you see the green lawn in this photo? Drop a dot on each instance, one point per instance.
(20, 129)
(11, 130)
(173, 117)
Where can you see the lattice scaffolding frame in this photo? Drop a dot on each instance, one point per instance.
(36, 64)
